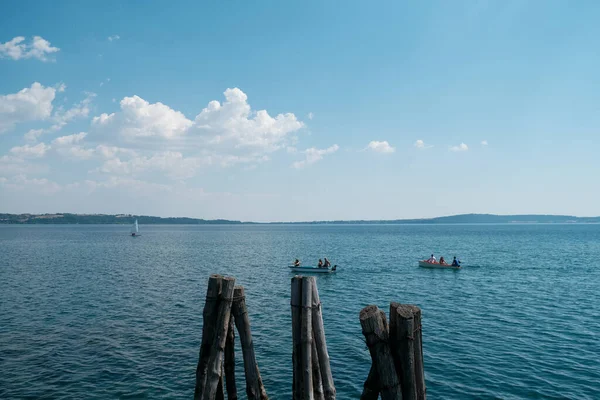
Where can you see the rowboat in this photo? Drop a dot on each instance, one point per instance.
(312, 270)
(427, 264)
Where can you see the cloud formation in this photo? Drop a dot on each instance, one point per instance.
(484, 143)
(419, 144)
(17, 49)
(380, 147)
(29, 104)
(313, 155)
(460, 147)
(113, 38)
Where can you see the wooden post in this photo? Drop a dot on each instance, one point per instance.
(306, 338)
(230, 360)
(402, 346)
(209, 319)
(371, 386)
(418, 348)
(254, 387)
(316, 372)
(296, 304)
(321, 345)
(375, 328)
(215, 360)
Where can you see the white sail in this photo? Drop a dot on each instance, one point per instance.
(134, 228)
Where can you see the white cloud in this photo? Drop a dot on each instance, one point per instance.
(22, 183)
(11, 165)
(419, 144)
(113, 38)
(33, 134)
(140, 119)
(313, 155)
(230, 127)
(484, 143)
(311, 115)
(17, 49)
(36, 151)
(233, 122)
(29, 104)
(68, 147)
(380, 147)
(70, 139)
(173, 164)
(460, 147)
(112, 151)
(105, 81)
(62, 118)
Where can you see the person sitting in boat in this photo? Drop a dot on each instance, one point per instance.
(320, 263)
(442, 261)
(297, 263)
(432, 259)
(455, 262)
(327, 263)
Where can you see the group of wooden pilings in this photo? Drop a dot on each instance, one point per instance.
(396, 353)
(396, 349)
(312, 377)
(225, 307)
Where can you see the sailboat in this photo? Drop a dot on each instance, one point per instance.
(135, 230)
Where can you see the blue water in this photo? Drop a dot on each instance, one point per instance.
(89, 312)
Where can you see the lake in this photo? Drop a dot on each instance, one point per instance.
(87, 311)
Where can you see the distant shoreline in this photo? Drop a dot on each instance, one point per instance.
(125, 219)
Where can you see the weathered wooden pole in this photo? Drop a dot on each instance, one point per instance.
(209, 319)
(402, 346)
(316, 372)
(375, 329)
(230, 360)
(296, 305)
(418, 348)
(306, 335)
(215, 360)
(254, 388)
(321, 345)
(371, 386)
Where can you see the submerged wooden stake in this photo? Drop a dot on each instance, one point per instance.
(254, 387)
(230, 360)
(402, 346)
(371, 386)
(215, 360)
(316, 373)
(209, 319)
(418, 350)
(296, 304)
(321, 345)
(306, 338)
(375, 329)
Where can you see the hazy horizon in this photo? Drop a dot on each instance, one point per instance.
(300, 111)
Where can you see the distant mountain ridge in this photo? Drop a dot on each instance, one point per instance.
(66, 218)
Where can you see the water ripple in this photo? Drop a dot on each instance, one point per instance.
(86, 311)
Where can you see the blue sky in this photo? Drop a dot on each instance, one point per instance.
(300, 110)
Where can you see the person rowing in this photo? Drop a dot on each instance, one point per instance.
(327, 263)
(297, 263)
(455, 262)
(432, 259)
(320, 265)
(442, 261)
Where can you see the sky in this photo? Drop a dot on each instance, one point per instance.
(300, 110)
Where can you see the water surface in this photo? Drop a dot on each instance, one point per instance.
(89, 312)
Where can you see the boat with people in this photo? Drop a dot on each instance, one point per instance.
(321, 268)
(427, 264)
(432, 262)
(311, 269)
